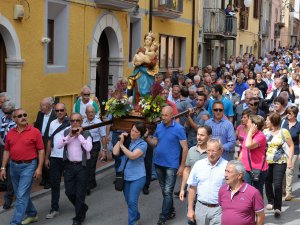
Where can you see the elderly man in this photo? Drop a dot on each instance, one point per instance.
(77, 145)
(175, 97)
(7, 123)
(85, 100)
(99, 136)
(3, 98)
(170, 141)
(232, 95)
(241, 107)
(205, 180)
(222, 129)
(240, 85)
(241, 203)
(54, 156)
(44, 117)
(24, 165)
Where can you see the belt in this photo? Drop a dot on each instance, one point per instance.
(209, 205)
(74, 162)
(23, 161)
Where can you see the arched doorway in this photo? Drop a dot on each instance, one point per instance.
(2, 65)
(102, 71)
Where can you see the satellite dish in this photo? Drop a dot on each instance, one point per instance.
(247, 3)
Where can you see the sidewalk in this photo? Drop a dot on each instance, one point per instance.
(38, 190)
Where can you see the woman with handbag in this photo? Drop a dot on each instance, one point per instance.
(291, 124)
(254, 154)
(277, 160)
(133, 168)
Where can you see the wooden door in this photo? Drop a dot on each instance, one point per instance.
(2, 65)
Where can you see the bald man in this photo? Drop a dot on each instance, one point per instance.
(44, 117)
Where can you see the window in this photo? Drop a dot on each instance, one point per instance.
(241, 50)
(135, 34)
(50, 46)
(170, 51)
(256, 11)
(57, 29)
(244, 17)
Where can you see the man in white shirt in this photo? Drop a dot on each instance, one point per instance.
(55, 162)
(205, 180)
(99, 135)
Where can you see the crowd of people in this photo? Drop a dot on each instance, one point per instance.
(238, 140)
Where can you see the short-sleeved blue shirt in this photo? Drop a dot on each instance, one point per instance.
(168, 148)
(228, 107)
(135, 169)
(240, 88)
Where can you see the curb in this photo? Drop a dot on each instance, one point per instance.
(43, 192)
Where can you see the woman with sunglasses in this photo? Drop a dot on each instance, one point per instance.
(291, 124)
(132, 158)
(253, 154)
(278, 161)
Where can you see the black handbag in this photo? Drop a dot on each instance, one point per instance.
(3, 185)
(255, 173)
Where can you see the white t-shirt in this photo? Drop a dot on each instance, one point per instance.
(56, 152)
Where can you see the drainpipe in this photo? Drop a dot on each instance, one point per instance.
(193, 33)
(150, 15)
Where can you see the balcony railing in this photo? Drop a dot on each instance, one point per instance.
(117, 4)
(170, 9)
(265, 28)
(219, 26)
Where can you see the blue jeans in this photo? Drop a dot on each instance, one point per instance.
(167, 180)
(132, 190)
(22, 177)
(259, 185)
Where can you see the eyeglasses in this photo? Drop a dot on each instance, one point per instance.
(75, 121)
(254, 104)
(218, 110)
(8, 113)
(251, 84)
(86, 95)
(22, 115)
(229, 85)
(59, 110)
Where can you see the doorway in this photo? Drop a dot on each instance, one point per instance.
(102, 71)
(2, 65)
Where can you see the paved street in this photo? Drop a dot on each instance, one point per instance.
(107, 207)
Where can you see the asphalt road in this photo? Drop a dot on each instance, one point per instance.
(107, 207)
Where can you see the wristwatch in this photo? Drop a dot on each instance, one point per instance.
(3, 168)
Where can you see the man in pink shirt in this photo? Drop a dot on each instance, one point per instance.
(241, 203)
(77, 146)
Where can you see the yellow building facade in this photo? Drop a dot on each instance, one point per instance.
(248, 29)
(54, 47)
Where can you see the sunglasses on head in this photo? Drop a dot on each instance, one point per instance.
(218, 110)
(59, 110)
(22, 115)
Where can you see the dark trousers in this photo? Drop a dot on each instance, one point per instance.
(56, 171)
(9, 195)
(275, 177)
(148, 165)
(92, 163)
(114, 140)
(45, 170)
(76, 181)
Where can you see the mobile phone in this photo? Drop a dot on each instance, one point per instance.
(74, 131)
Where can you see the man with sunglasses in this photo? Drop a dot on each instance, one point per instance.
(77, 145)
(223, 129)
(44, 117)
(84, 100)
(54, 156)
(253, 106)
(7, 123)
(23, 145)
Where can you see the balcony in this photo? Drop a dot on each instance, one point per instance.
(169, 9)
(117, 4)
(219, 26)
(265, 28)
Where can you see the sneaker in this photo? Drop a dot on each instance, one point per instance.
(52, 214)
(269, 207)
(6, 206)
(29, 219)
(161, 222)
(288, 197)
(172, 215)
(146, 191)
(277, 213)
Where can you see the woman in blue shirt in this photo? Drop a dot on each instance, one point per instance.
(291, 124)
(135, 173)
